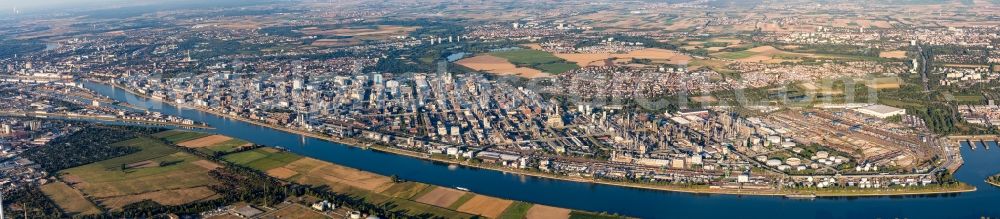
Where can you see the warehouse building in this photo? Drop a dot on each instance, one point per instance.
(880, 111)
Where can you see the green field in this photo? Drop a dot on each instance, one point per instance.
(853, 57)
(176, 136)
(225, 147)
(262, 159)
(516, 211)
(407, 190)
(968, 98)
(423, 192)
(157, 167)
(536, 59)
(400, 204)
(735, 55)
(557, 68)
(180, 136)
(714, 44)
(150, 149)
(244, 157)
(461, 201)
(409, 206)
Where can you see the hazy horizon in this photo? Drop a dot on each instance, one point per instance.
(49, 6)
(28, 6)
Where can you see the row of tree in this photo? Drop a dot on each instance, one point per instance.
(29, 201)
(91, 144)
(10, 47)
(995, 179)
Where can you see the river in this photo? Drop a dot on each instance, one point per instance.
(643, 203)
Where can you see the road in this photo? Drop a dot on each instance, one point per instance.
(923, 69)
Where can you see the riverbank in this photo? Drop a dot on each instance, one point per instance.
(690, 189)
(101, 118)
(672, 188)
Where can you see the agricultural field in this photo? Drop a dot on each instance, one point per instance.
(407, 190)
(714, 64)
(262, 158)
(169, 176)
(461, 201)
(527, 56)
(896, 54)
(204, 141)
(413, 197)
(176, 136)
(214, 143)
(164, 197)
(158, 172)
(659, 56)
(296, 211)
(516, 210)
(536, 59)
(704, 99)
(69, 199)
(354, 36)
(485, 206)
(885, 83)
(547, 212)
(500, 66)
(319, 172)
(372, 187)
(770, 54)
(442, 197)
(821, 88)
(296, 168)
(558, 67)
(713, 43)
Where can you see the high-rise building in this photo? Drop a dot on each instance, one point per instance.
(6, 129)
(297, 84)
(377, 78)
(34, 125)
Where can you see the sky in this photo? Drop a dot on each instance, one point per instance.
(7, 6)
(45, 6)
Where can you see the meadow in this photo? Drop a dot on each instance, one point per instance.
(536, 59)
(157, 172)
